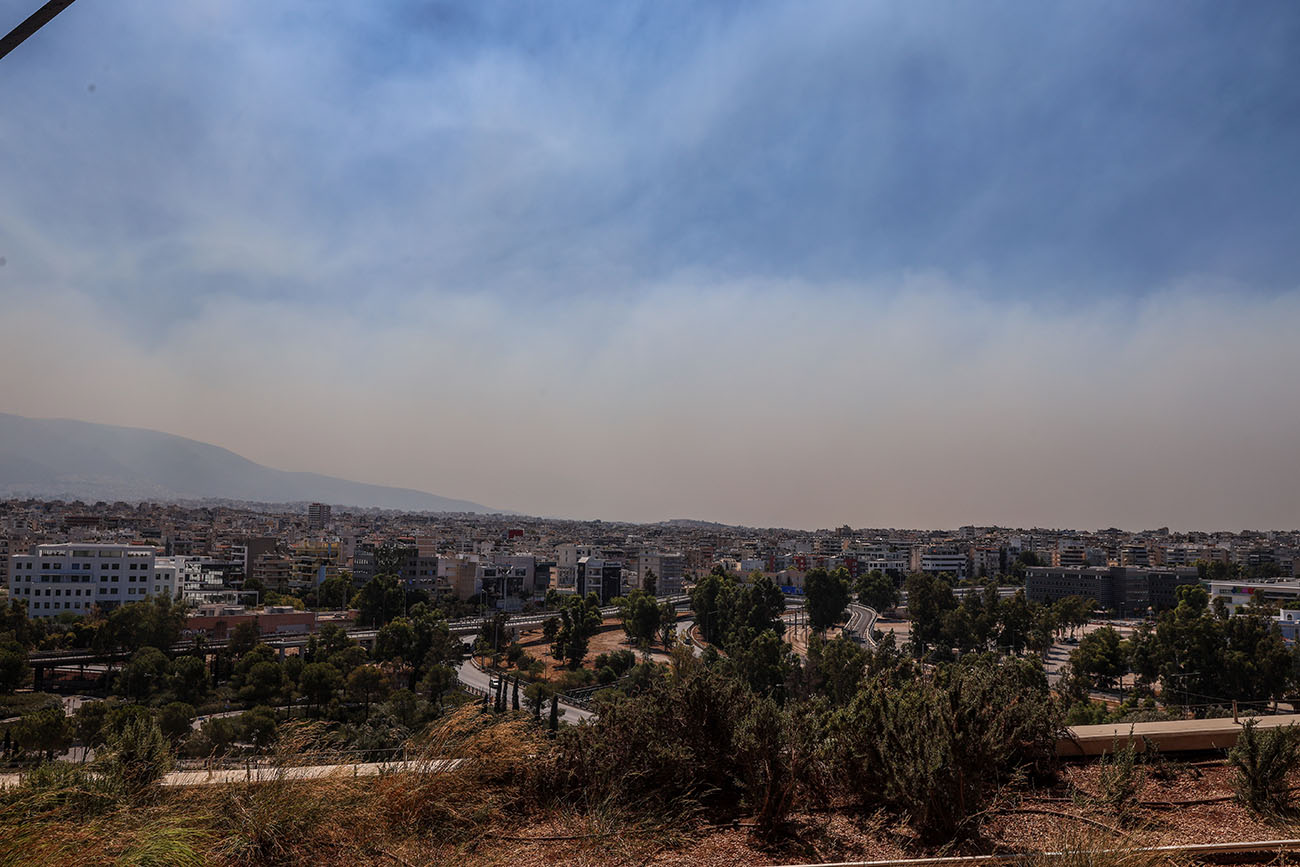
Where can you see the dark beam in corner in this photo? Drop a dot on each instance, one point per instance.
(34, 22)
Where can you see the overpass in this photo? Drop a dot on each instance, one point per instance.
(43, 662)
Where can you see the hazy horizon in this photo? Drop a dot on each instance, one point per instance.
(891, 264)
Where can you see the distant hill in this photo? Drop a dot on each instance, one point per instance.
(77, 460)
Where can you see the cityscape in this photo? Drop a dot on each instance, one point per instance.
(645, 433)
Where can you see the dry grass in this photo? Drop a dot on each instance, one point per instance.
(490, 809)
(333, 820)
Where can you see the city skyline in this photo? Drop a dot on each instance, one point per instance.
(887, 264)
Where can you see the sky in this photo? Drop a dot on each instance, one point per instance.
(802, 264)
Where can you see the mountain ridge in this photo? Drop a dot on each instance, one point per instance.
(64, 458)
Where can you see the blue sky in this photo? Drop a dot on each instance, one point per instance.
(786, 263)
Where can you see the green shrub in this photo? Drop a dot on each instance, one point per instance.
(1119, 776)
(936, 750)
(1263, 760)
(136, 758)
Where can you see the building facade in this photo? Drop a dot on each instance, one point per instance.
(1128, 591)
(78, 577)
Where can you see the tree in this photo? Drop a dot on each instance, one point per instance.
(876, 590)
(145, 672)
(836, 668)
(826, 597)
(434, 644)
(366, 684)
(176, 720)
(379, 600)
(155, 623)
(347, 659)
(1100, 658)
(535, 695)
(550, 627)
(265, 682)
(1017, 620)
(243, 638)
(88, 724)
(579, 620)
(46, 731)
(667, 623)
(189, 679)
(215, 737)
(318, 682)
(333, 592)
(641, 616)
(707, 598)
(438, 680)
(761, 658)
(495, 627)
(331, 639)
(259, 726)
(554, 722)
(1075, 611)
(396, 642)
(13, 666)
(929, 599)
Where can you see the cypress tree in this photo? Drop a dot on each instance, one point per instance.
(514, 699)
(555, 711)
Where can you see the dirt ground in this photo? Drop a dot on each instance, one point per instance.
(610, 638)
(1179, 803)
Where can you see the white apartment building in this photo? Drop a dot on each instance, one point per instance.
(939, 559)
(76, 577)
(883, 558)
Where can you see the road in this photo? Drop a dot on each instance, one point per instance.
(471, 675)
(862, 621)
(684, 627)
(1058, 655)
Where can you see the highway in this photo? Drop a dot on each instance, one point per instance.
(862, 622)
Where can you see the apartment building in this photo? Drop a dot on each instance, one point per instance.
(78, 577)
(599, 576)
(314, 561)
(1069, 553)
(458, 576)
(670, 571)
(567, 557)
(318, 516)
(940, 559)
